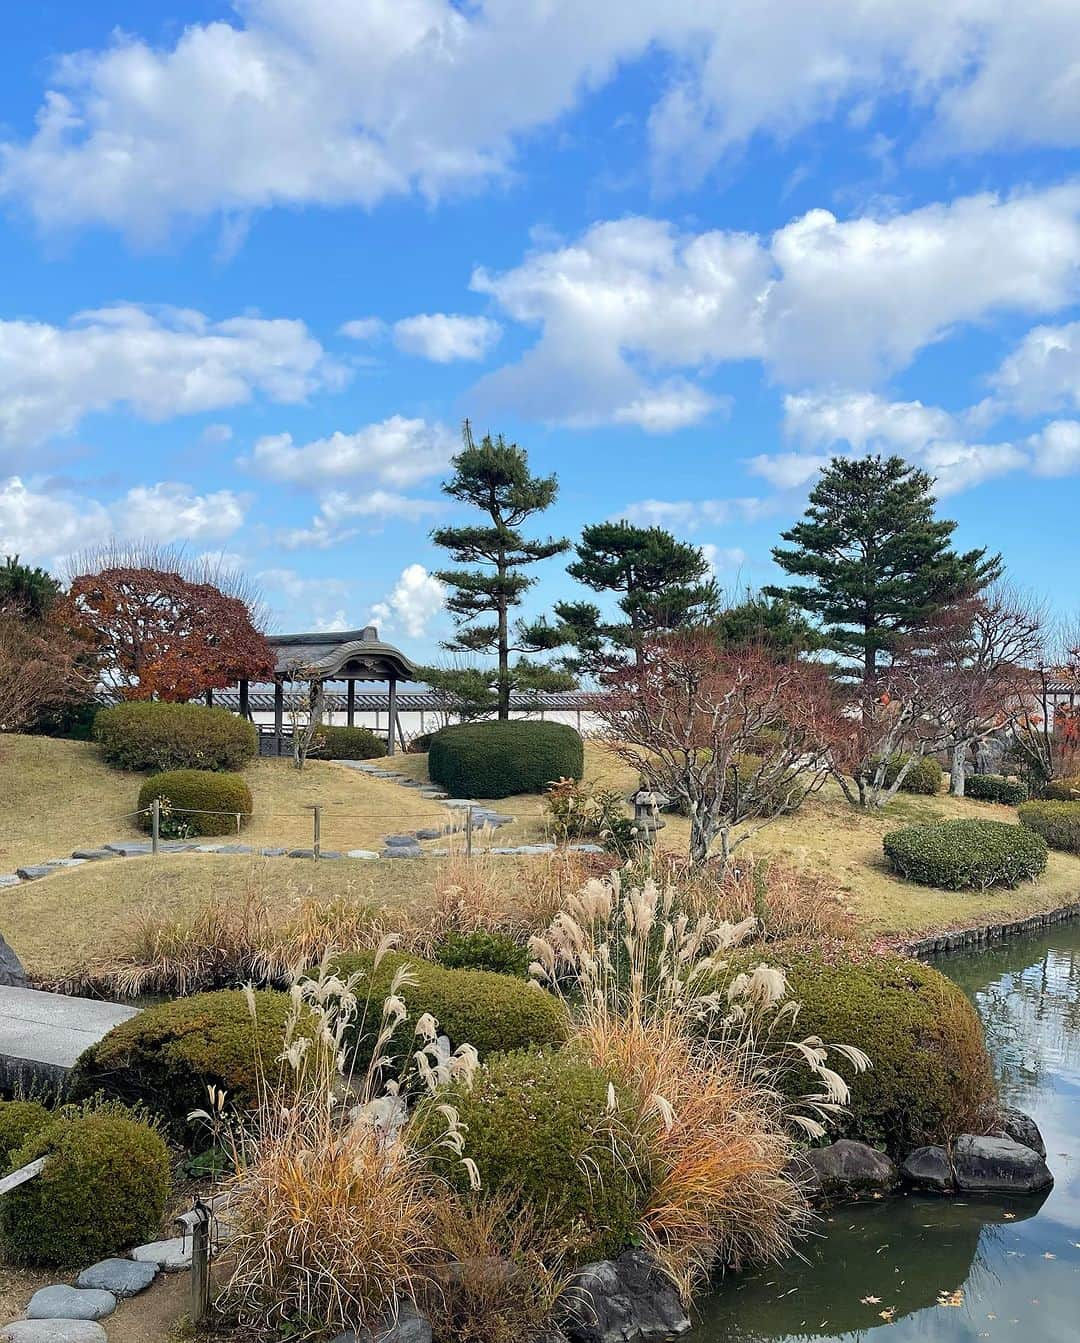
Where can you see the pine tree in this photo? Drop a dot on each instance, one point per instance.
(662, 584)
(493, 477)
(772, 623)
(878, 562)
(32, 591)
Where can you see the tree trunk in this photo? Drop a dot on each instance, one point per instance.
(958, 771)
(701, 836)
(503, 688)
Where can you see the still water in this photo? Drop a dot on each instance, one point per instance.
(943, 1269)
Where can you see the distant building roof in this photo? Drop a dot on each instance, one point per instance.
(339, 656)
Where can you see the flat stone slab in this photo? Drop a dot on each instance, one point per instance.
(64, 862)
(430, 832)
(127, 848)
(9, 879)
(208, 848)
(236, 848)
(34, 872)
(526, 849)
(49, 1031)
(415, 852)
(361, 853)
(70, 1303)
(401, 841)
(53, 1331)
(272, 853)
(95, 855)
(171, 1256)
(121, 1277)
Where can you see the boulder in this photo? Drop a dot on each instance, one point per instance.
(1021, 1128)
(12, 974)
(53, 1331)
(998, 1166)
(928, 1168)
(70, 1303)
(847, 1169)
(121, 1277)
(407, 1326)
(169, 1255)
(624, 1300)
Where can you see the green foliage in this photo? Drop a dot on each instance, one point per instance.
(924, 776)
(876, 561)
(995, 788)
(103, 1189)
(27, 589)
(931, 1077)
(1062, 790)
(201, 802)
(72, 722)
(1057, 822)
(158, 736)
(19, 1120)
(168, 1055)
(496, 759)
(963, 855)
(540, 1130)
(577, 810)
(491, 1012)
(351, 743)
(483, 950)
(772, 623)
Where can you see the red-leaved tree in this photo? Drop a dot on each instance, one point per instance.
(733, 735)
(158, 634)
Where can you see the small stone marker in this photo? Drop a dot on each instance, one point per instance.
(70, 1303)
(122, 1277)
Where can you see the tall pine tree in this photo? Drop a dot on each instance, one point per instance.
(493, 476)
(877, 563)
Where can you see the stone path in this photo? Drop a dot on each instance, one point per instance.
(42, 1034)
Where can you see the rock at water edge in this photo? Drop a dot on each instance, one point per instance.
(998, 1166)
(928, 1168)
(847, 1168)
(624, 1300)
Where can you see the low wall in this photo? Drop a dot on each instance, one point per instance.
(972, 939)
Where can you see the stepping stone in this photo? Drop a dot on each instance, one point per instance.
(42, 1034)
(329, 855)
(176, 845)
(34, 873)
(130, 848)
(53, 1331)
(272, 853)
(401, 841)
(9, 879)
(95, 855)
(361, 853)
(236, 848)
(64, 862)
(459, 802)
(436, 794)
(122, 1277)
(399, 852)
(208, 848)
(301, 853)
(586, 848)
(411, 783)
(527, 849)
(430, 833)
(70, 1303)
(170, 1255)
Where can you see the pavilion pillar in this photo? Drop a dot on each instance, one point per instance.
(393, 724)
(245, 708)
(350, 702)
(279, 712)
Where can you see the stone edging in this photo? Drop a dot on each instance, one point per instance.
(987, 934)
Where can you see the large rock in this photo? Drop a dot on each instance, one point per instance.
(846, 1169)
(998, 1166)
(171, 1256)
(407, 1326)
(70, 1303)
(624, 1300)
(929, 1168)
(53, 1331)
(1021, 1128)
(122, 1277)
(12, 974)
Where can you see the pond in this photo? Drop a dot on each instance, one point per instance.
(952, 1269)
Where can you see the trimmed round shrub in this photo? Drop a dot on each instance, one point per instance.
(351, 743)
(153, 736)
(923, 777)
(1062, 790)
(482, 950)
(931, 1077)
(963, 855)
(200, 802)
(995, 788)
(494, 1013)
(19, 1120)
(540, 1130)
(497, 759)
(103, 1189)
(1057, 822)
(168, 1055)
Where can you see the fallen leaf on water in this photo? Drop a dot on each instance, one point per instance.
(1049, 1255)
(887, 1314)
(870, 1301)
(954, 1299)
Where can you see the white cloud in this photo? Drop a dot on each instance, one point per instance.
(395, 451)
(445, 337)
(1056, 448)
(1041, 374)
(692, 514)
(44, 524)
(155, 363)
(216, 434)
(417, 598)
(305, 602)
(724, 559)
(363, 328)
(339, 513)
(347, 102)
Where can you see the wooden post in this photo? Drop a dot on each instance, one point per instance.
(245, 710)
(210, 697)
(393, 724)
(350, 702)
(200, 1270)
(155, 824)
(316, 831)
(279, 713)
(468, 832)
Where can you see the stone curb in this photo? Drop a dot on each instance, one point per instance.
(983, 935)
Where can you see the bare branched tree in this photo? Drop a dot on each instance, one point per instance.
(306, 713)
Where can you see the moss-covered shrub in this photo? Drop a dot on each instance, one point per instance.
(198, 801)
(1062, 790)
(995, 788)
(492, 1012)
(19, 1120)
(481, 950)
(153, 736)
(962, 855)
(491, 760)
(351, 743)
(1057, 822)
(923, 777)
(931, 1077)
(540, 1130)
(168, 1055)
(103, 1189)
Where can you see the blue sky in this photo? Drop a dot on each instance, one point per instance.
(260, 259)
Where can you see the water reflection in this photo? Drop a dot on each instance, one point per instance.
(938, 1269)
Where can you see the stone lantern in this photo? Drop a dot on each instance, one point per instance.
(647, 805)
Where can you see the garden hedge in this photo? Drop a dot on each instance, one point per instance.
(492, 1012)
(350, 743)
(931, 1077)
(1062, 790)
(995, 788)
(103, 1190)
(19, 1120)
(200, 803)
(1057, 822)
(481, 950)
(923, 777)
(489, 760)
(168, 1055)
(540, 1130)
(963, 855)
(154, 736)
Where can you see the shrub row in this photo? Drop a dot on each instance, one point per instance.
(995, 788)
(482, 950)
(1057, 822)
(154, 736)
(489, 760)
(1062, 790)
(966, 854)
(197, 802)
(351, 743)
(924, 776)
